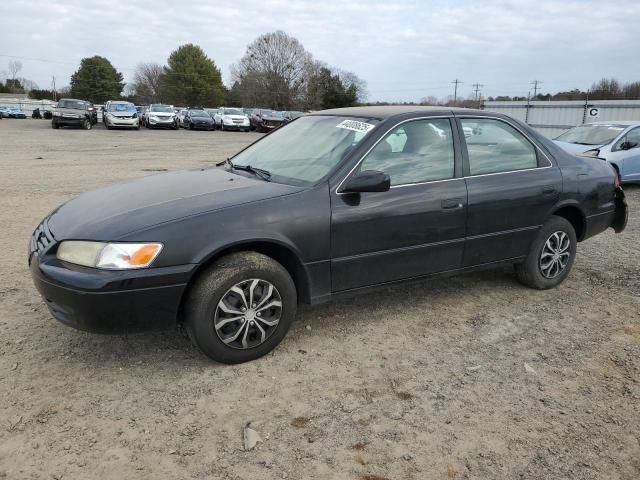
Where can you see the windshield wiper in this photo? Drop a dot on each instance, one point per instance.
(258, 172)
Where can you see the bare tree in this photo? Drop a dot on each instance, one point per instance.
(272, 70)
(14, 68)
(146, 82)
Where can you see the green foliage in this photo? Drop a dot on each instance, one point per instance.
(331, 92)
(4, 89)
(191, 79)
(96, 81)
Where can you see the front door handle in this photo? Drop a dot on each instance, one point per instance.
(452, 203)
(548, 190)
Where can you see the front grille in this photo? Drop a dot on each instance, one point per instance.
(41, 239)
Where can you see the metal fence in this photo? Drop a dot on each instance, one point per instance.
(551, 118)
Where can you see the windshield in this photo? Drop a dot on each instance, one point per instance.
(199, 113)
(231, 111)
(161, 108)
(308, 148)
(271, 113)
(77, 104)
(122, 107)
(591, 134)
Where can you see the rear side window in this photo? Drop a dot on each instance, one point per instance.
(495, 147)
(414, 152)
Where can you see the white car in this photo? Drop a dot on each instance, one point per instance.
(617, 142)
(231, 119)
(121, 114)
(161, 116)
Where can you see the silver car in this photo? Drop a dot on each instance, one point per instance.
(121, 114)
(616, 142)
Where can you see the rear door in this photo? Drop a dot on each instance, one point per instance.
(512, 186)
(414, 229)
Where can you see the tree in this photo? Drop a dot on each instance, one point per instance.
(605, 89)
(146, 82)
(349, 78)
(96, 80)
(14, 68)
(39, 94)
(191, 79)
(272, 72)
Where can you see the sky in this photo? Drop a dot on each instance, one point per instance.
(404, 49)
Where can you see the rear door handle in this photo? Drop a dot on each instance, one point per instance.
(451, 203)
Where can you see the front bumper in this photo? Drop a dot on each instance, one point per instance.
(108, 301)
(60, 120)
(162, 122)
(123, 122)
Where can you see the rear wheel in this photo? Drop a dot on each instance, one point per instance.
(551, 256)
(241, 307)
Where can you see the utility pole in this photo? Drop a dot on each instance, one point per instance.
(535, 84)
(55, 94)
(476, 90)
(455, 90)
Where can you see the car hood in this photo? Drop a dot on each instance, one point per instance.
(76, 111)
(109, 213)
(272, 118)
(576, 148)
(235, 117)
(201, 119)
(160, 114)
(122, 114)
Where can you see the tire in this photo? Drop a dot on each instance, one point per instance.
(54, 124)
(86, 124)
(531, 272)
(202, 308)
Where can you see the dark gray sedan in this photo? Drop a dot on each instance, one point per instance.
(334, 203)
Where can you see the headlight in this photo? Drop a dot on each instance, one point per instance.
(55, 114)
(109, 256)
(592, 153)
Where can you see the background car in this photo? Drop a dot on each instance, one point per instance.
(4, 112)
(266, 120)
(141, 109)
(197, 119)
(121, 114)
(73, 112)
(15, 112)
(161, 116)
(617, 142)
(180, 117)
(292, 115)
(232, 119)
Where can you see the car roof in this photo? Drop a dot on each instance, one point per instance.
(387, 111)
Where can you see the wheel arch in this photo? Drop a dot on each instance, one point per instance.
(573, 214)
(275, 249)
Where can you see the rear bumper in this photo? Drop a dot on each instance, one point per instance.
(110, 301)
(621, 214)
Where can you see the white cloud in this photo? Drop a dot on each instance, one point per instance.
(404, 49)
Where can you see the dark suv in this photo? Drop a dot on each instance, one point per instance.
(76, 113)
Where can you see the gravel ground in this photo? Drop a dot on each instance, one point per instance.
(471, 377)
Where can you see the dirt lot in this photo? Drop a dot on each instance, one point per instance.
(472, 377)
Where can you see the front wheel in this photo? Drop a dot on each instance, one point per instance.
(86, 124)
(551, 256)
(241, 307)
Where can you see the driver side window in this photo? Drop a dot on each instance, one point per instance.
(415, 152)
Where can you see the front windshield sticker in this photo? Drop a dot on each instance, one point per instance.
(355, 126)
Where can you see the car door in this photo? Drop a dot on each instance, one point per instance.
(626, 154)
(417, 227)
(512, 186)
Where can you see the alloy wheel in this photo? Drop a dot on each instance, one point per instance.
(555, 254)
(248, 314)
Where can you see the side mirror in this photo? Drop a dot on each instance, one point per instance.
(368, 181)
